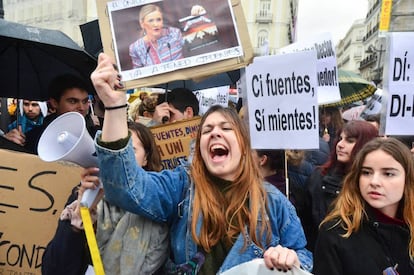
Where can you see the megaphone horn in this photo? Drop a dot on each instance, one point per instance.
(67, 139)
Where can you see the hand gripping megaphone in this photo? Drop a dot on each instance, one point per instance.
(67, 139)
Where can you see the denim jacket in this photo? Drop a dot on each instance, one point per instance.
(167, 196)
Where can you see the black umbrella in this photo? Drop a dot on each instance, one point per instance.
(31, 57)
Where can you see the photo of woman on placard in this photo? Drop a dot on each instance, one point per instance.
(158, 43)
(189, 33)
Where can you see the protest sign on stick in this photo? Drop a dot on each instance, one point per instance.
(282, 101)
(326, 66)
(214, 41)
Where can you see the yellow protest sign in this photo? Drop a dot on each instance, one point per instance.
(385, 16)
(174, 141)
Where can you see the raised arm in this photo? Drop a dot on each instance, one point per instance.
(106, 81)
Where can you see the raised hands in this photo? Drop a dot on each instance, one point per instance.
(106, 80)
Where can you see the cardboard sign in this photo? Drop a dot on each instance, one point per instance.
(32, 195)
(175, 140)
(214, 42)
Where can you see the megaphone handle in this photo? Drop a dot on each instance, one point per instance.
(89, 196)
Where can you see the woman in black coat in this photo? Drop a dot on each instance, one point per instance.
(325, 183)
(370, 229)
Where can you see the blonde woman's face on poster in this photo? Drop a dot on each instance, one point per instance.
(153, 24)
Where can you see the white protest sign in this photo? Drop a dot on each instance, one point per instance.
(282, 101)
(374, 105)
(400, 105)
(258, 267)
(212, 96)
(326, 68)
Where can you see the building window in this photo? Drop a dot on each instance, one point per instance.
(264, 7)
(262, 38)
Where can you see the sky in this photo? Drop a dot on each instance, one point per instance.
(333, 16)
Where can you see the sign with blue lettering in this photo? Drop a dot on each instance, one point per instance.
(212, 96)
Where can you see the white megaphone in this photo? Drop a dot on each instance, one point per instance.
(67, 138)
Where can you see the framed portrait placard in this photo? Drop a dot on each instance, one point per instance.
(158, 41)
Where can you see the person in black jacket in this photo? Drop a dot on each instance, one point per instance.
(325, 183)
(370, 229)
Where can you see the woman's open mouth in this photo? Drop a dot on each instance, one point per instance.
(218, 152)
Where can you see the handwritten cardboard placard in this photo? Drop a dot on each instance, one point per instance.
(174, 141)
(32, 196)
(228, 48)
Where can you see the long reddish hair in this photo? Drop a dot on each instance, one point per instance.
(362, 131)
(226, 214)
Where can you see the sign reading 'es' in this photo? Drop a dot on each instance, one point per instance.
(32, 195)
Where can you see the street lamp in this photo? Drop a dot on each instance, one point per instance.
(371, 50)
(1, 9)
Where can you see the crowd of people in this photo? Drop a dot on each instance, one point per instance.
(67, 93)
(345, 208)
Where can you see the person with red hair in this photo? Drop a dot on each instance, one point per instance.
(325, 183)
(219, 210)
